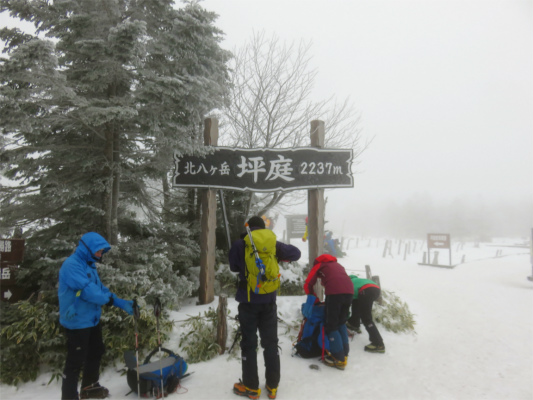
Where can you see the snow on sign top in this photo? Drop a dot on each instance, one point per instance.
(439, 240)
(265, 169)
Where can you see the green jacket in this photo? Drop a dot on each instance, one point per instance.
(359, 283)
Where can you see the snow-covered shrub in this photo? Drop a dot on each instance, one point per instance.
(145, 272)
(30, 336)
(225, 281)
(393, 314)
(200, 338)
(292, 279)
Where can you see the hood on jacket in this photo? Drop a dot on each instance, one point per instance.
(89, 244)
(324, 258)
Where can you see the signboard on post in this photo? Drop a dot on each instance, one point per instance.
(439, 241)
(295, 226)
(11, 254)
(265, 170)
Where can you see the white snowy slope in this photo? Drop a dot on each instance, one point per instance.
(474, 338)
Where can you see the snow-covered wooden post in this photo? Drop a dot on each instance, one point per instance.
(209, 222)
(315, 202)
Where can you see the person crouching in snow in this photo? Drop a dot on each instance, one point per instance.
(365, 293)
(338, 289)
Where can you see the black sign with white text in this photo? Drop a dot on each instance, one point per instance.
(265, 169)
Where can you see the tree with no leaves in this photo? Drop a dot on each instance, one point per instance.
(270, 105)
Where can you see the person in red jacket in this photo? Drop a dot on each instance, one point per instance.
(339, 291)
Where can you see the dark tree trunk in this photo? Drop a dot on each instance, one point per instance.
(108, 178)
(113, 237)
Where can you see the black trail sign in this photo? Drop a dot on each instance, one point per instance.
(265, 169)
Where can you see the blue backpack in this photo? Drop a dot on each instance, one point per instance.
(312, 340)
(173, 368)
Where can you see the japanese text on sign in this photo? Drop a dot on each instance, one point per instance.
(5, 273)
(265, 169)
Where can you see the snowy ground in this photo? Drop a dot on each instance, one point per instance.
(474, 336)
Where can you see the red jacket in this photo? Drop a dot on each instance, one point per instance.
(332, 275)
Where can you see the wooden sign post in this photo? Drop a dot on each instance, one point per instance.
(209, 224)
(263, 170)
(11, 255)
(315, 202)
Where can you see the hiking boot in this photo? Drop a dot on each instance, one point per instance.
(271, 392)
(94, 391)
(375, 348)
(241, 390)
(331, 361)
(354, 329)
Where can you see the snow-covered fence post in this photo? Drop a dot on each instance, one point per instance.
(436, 258)
(374, 278)
(315, 202)
(208, 225)
(368, 272)
(385, 248)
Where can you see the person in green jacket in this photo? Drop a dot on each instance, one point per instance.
(365, 293)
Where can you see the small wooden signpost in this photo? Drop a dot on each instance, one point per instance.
(438, 241)
(11, 255)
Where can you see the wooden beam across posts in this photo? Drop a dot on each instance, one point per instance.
(209, 222)
(315, 202)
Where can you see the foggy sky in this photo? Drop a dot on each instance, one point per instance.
(445, 88)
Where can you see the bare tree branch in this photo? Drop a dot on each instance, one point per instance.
(271, 105)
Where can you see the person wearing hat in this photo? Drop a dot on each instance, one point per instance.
(258, 311)
(81, 297)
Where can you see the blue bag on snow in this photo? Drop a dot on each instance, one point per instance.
(173, 368)
(312, 341)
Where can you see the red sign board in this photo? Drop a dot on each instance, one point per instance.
(438, 240)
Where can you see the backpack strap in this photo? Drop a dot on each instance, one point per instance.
(149, 356)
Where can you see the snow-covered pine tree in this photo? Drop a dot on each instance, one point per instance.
(91, 110)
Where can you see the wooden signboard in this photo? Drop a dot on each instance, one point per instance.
(11, 255)
(295, 226)
(265, 170)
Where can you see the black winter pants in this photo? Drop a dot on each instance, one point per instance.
(262, 317)
(85, 349)
(337, 311)
(362, 311)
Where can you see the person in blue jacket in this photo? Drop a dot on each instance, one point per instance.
(81, 297)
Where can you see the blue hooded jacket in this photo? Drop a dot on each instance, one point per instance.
(81, 293)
